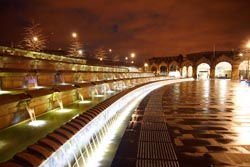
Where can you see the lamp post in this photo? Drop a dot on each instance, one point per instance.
(132, 55)
(126, 60)
(75, 47)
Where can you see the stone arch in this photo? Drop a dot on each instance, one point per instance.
(223, 69)
(163, 68)
(194, 59)
(203, 70)
(203, 60)
(174, 66)
(223, 58)
(163, 63)
(190, 71)
(184, 71)
(243, 69)
(154, 68)
(187, 63)
(187, 70)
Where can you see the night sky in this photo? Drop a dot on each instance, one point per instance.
(150, 28)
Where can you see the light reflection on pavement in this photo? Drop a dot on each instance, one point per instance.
(209, 122)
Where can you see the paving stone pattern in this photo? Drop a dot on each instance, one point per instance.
(203, 123)
(208, 121)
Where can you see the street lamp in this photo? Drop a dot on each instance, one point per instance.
(35, 39)
(74, 35)
(132, 55)
(80, 52)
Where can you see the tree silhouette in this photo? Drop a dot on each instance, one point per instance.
(76, 48)
(116, 57)
(100, 54)
(33, 38)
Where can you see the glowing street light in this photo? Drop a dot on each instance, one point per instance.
(74, 35)
(35, 39)
(132, 55)
(110, 50)
(80, 52)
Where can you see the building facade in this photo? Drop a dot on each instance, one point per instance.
(202, 64)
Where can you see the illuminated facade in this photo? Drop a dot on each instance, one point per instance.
(219, 64)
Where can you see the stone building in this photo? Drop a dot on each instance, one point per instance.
(219, 64)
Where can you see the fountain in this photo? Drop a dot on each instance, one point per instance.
(98, 129)
(56, 97)
(31, 112)
(114, 77)
(106, 88)
(89, 144)
(94, 91)
(80, 96)
(59, 100)
(32, 116)
(94, 78)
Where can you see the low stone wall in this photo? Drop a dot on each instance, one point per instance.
(13, 107)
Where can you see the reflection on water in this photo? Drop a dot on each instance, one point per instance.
(37, 123)
(84, 101)
(63, 110)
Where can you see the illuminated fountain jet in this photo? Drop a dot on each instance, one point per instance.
(82, 100)
(31, 112)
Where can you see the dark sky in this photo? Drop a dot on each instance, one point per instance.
(150, 28)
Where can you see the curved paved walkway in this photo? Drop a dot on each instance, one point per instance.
(203, 123)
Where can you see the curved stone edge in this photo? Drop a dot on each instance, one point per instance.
(36, 153)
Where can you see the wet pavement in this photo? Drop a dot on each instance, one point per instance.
(201, 123)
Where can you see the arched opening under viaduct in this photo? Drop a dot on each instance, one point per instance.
(203, 71)
(223, 70)
(244, 69)
(163, 70)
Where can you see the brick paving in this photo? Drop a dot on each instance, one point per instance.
(203, 123)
